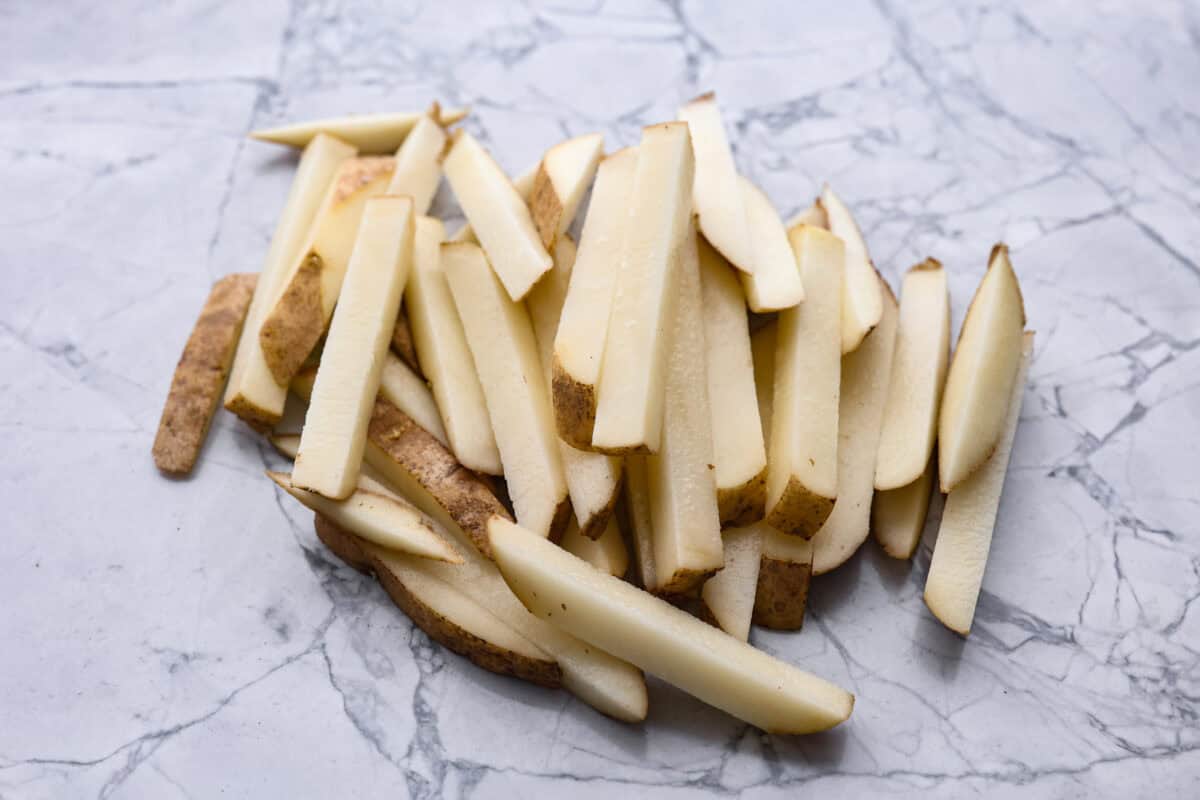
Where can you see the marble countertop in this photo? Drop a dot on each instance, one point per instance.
(189, 638)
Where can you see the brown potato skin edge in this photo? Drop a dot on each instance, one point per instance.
(295, 324)
(782, 594)
(800, 511)
(574, 408)
(597, 524)
(743, 505)
(545, 207)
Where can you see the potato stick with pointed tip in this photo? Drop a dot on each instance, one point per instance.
(606, 552)
(862, 303)
(370, 133)
(404, 389)
(775, 284)
(419, 164)
(813, 216)
(898, 515)
(729, 595)
(564, 176)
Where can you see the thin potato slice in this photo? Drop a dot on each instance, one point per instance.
(775, 283)
(562, 179)
(419, 164)
(606, 552)
(370, 133)
(729, 595)
(862, 302)
(404, 389)
(898, 515)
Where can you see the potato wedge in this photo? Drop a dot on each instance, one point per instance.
(200, 374)
(649, 632)
(898, 515)
(785, 570)
(370, 133)
(910, 414)
(729, 595)
(606, 552)
(583, 323)
(775, 284)
(980, 380)
(803, 479)
(504, 349)
(862, 302)
(498, 216)
(300, 312)
(404, 389)
(419, 164)
(739, 453)
(629, 411)
(445, 357)
(252, 392)
(402, 340)
(968, 520)
(563, 177)
(335, 427)
(813, 216)
(865, 376)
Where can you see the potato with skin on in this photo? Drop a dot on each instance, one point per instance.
(802, 480)
(419, 164)
(968, 521)
(739, 453)
(445, 358)
(335, 427)
(200, 374)
(563, 177)
(775, 284)
(629, 408)
(498, 216)
(898, 515)
(649, 632)
(981, 374)
(918, 374)
(606, 552)
(301, 311)
(729, 595)
(862, 302)
(505, 352)
(404, 389)
(583, 323)
(252, 392)
(370, 133)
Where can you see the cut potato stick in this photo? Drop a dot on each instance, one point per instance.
(286, 444)
(583, 324)
(683, 497)
(698, 658)
(641, 523)
(720, 210)
(762, 349)
(335, 427)
(370, 133)
(402, 337)
(404, 389)
(898, 515)
(253, 393)
(629, 413)
(301, 312)
(375, 513)
(606, 552)
(860, 415)
(419, 164)
(503, 347)
(523, 183)
(981, 375)
(729, 595)
(803, 478)
(563, 177)
(918, 373)
(445, 357)
(785, 570)
(862, 302)
(775, 283)
(200, 374)
(739, 452)
(498, 216)
(813, 216)
(968, 519)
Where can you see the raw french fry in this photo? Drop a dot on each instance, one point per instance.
(802, 481)
(606, 552)
(252, 393)
(370, 133)
(375, 513)
(898, 515)
(200, 374)
(301, 311)
(775, 283)
(583, 324)
(968, 519)
(629, 413)
(703, 661)
(404, 389)
(813, 216)
(565, 174)
(331, 444)
(739, 452)
(498, 216)
(720, 209)
(419, 164)
(683, 497)
(445, 357)
(918, 372)
(593, 479)
(860, 414)
(502, 344)
(862, 302)
(524, 186)
(729, 595)
(402, 339)
(641, 524)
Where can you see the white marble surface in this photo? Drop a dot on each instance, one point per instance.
(191, 639)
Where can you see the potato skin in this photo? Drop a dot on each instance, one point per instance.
(743, 505)
(782, 594)
(574, 408)
(294, 326)
(800, 511)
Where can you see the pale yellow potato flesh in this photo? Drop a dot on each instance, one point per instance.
(629, 412)
(898, 515)
(918, 374)
(564, 176)
(802, 481)
(775, 284)
(606, 553)
(739, 452)
(583, 324)
(968, 521)
(335, 427)
(641, 522)
(721, 213)
(865, 375)
(524, 186)
(505, 352)
(980, 380)
(651, 633)
(419, 164)
(729, 595)
(370, 133)
(404, 389)
(498, 216)
(862, 302)
(252, 392)
(813, 216)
